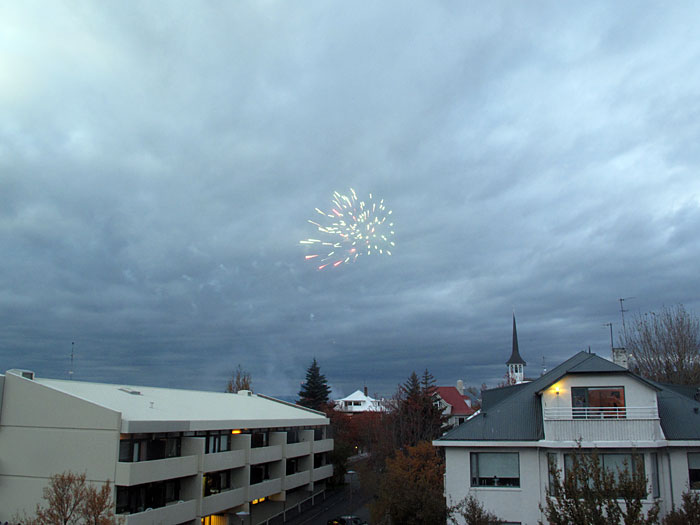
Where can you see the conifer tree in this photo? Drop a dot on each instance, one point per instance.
(315, 390)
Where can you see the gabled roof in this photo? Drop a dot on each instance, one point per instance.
(514, 413)
(451, 396)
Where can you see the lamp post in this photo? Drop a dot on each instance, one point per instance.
(351, 474)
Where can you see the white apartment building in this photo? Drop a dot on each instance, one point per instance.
(501, 455)
(173, 456)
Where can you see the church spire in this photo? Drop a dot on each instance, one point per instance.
(516, 363)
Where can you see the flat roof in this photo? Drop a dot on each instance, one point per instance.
(152, 409)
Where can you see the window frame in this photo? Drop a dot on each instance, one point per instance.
(502, 482)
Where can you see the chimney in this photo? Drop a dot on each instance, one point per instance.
(619, 357)
(365, 390)
(460, 387)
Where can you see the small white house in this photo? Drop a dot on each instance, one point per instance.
(171, 455)
(501, 455)
(357, 402)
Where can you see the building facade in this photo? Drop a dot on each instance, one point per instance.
(172, 456)
(501, 455)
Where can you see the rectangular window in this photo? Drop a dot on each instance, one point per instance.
(614, 463)
(495, 469)
(216, 482)
(552, 463)
(655, 490)
(694, 470)
(598, 402)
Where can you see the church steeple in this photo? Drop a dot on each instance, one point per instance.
(516, 364)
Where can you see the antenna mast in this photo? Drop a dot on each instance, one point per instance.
(611, 336)
(622, 313)
(70, 372)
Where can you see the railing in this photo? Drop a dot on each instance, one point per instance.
(608, 413)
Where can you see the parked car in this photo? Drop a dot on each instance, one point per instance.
(347, 520)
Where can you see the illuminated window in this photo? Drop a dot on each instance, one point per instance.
(598, 402)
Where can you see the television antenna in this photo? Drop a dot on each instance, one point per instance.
(622, 314)
(72, 348)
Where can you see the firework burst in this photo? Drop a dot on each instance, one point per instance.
(352, 227)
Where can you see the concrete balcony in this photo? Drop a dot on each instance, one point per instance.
(326, 471)
(129, 474)
(175, 513)
(602, 424)
(294, 450)
(265, 489)
(222, 501)
(223, 460)
(323, 445)
(297, 480)
(265, 454)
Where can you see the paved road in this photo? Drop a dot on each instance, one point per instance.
(338, 502)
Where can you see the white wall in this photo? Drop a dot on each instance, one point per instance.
(509, 504)
(44, 432)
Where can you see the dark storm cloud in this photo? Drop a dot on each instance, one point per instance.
(158, 164)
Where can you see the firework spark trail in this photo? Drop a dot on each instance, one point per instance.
(351, 228)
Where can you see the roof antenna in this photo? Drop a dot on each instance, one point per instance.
(611, 336)
(70, 372)
(544, 367)
(622, 313)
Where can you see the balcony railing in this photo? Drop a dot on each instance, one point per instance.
(606, 413)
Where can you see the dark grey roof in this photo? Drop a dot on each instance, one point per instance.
(515, 358)
(679, 414)
(514, 413)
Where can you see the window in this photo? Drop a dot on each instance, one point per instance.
(694, 470)
(259, 473)
(149, 495)
(259, 439)
(598, 402)
(655, 490)
(552, 463)
(614, 463)
(218, 441)
(149, 449)
(215, 482)
(495, 469)
(292, 466)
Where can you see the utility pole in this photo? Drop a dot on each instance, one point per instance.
(611, 335)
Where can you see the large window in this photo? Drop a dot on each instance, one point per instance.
(495, 469)
(149, 495)
(614, 463)
(218, 441)
(147, 448)
(694, 470)
(598, 402)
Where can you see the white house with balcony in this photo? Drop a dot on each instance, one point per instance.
(358, 402)
(172, 456)
(501, 455)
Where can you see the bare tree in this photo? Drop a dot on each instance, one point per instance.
(240, 380)
(665, 345)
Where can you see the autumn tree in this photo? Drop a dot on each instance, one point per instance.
(687, 514)
(70, 499)
(240, 380)
(472, 512)
(314, 391)
(665, 345)
(591, 494)
(411, 490)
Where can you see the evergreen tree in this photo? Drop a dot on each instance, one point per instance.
(315, 390)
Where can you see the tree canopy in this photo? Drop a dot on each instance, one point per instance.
(314, 391)
(665, 345)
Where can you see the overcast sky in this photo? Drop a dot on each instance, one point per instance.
(159, 163)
